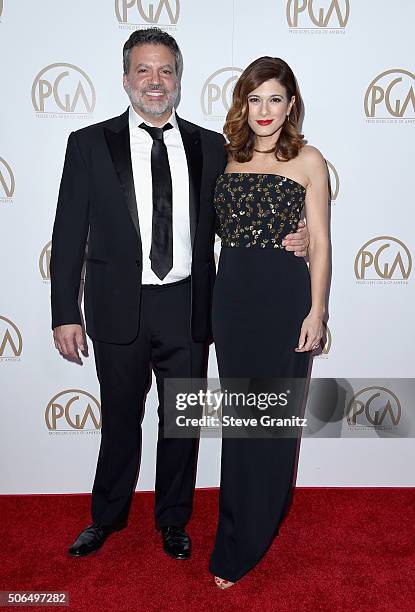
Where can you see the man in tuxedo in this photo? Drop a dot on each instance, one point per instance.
(138, 191)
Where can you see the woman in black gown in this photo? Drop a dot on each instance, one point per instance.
(268, 307)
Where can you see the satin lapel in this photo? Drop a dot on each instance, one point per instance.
(193, 150)
(119, 146)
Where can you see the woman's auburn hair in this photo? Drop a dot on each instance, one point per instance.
(241, 137)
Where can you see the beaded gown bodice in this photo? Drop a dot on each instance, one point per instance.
(257, 210)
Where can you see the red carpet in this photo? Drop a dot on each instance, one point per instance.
(338, 550)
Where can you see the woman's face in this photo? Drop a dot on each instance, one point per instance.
(268, 107)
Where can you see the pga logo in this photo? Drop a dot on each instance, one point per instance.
(149, 12)
(63, 88)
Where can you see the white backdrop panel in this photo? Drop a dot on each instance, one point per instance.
(371, 323)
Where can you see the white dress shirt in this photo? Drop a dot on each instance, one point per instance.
(141, 143)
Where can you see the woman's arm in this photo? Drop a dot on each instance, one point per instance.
(316, 210)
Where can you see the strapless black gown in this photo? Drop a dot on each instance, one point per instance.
(262, 295)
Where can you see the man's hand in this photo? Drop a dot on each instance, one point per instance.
(68, 339)
(299, 241)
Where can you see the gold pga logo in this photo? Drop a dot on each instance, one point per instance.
(334, 182)
(11, 342)
(303, 14)
(374, 407)
(73, 410)
(63, 89)
(383, 258)
(150, 12)
(7, 182)
(44, 261)
(391, 94)
(216, 96)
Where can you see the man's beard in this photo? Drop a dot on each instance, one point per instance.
(157, 107)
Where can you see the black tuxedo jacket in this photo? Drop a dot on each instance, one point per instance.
(98, 204)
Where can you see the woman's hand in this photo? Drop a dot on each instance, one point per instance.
(311, 333)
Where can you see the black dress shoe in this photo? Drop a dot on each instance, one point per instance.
(90, 540)
(176, 542)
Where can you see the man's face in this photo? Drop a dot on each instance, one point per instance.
(151, 83)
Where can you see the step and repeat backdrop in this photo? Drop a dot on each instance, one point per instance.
(61, 70)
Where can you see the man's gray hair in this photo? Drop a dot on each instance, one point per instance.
(152, 36)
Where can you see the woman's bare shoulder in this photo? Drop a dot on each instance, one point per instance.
(311, 153)
(312, 159)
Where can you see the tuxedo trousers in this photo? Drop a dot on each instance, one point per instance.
(163, 346)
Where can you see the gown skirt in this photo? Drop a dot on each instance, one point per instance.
(261, 298)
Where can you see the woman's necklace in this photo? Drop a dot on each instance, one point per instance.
(269, 151)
